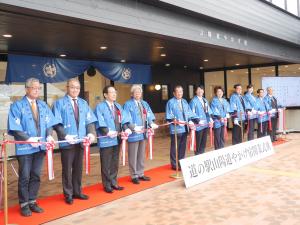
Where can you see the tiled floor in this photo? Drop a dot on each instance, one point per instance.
(264, 193)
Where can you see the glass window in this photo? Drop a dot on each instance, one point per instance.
(258, 73)
(292, 6)
(93, 87)
(279, 3)
(213, 79)
(289, 70)
(236, 77)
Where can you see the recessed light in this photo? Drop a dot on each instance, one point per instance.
(237, 64)
(7, 35)
(201, 67)
(123, 60)
(62, 55)
(103, 47)
(160, 47)
(205, 60)
(167, 64)
(163, 55)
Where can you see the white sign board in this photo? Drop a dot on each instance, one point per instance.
(285, 89)
(200, 168)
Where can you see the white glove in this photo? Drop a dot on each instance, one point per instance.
(222, 120)
(34, 139)
(260, 113)
(70, 139)
(181, 123)
(138, 129)
(236, 121)
(91, 137)
(112, 134)
(128, 131)
(211, 120)
(273, 110)
(192, 125)
(227, 115)
(50, 139)
(254, 111)
(201, 122)
(154, 126)
(249, 113)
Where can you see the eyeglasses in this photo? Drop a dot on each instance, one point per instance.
(35, 88)
(74, 88)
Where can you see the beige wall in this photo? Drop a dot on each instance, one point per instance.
(211, 80)
(123, 92)
(236, 77)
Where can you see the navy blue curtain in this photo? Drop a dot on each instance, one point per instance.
(52, 70)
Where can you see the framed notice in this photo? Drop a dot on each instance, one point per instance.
(164, 92)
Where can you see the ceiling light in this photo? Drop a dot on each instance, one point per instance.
(123, 60)
(157, 87)
(185, 67)
(201, 67)
(205, 60)
(62, 55)
(167, 64)
(7, 35)
(237, 64)
(160, 47)
(103, 47)
(163, 55)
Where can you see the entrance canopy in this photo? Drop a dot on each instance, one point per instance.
(51, 70)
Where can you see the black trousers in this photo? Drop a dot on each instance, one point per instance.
(250, 128)
(109, 158)
(237, 134)
(30, 167)
(272, 132)
(71, 161)
(201, 138)
(262, 129)
(181, 143)
(219, 140)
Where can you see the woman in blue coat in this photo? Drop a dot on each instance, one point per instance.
(200, 106)
(220, 111)
(142, 118)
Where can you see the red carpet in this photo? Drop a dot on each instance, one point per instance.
(55, 207)
(279, 141)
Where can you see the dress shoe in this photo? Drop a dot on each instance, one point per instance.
(108, 190)
(117, 187)
(135, 180)
(69, 200)
(35, 208)
(25, 211)
(144, 178)
(81, 196)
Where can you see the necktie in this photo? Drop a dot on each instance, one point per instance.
(76, 111)
(274, 103)
(34, 110)
(242, 101)
(112, 108)
(180, 105)
(141, 111)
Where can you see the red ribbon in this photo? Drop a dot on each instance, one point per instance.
(49, 157)
(270, 122)
(225, 129)
(150, 142)
(211, 136)
(192, 143)
(119, 115)
(87, 164)
(124, 137)
(261, 128)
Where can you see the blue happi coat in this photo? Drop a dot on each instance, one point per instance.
(251, 102)
(20, 118)
(173, 111)
(133, 110)
(105, 118)
(268, 100)
(219, 108)
(63, 110)
(202, 113)
(262, 106)
(236, 107)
